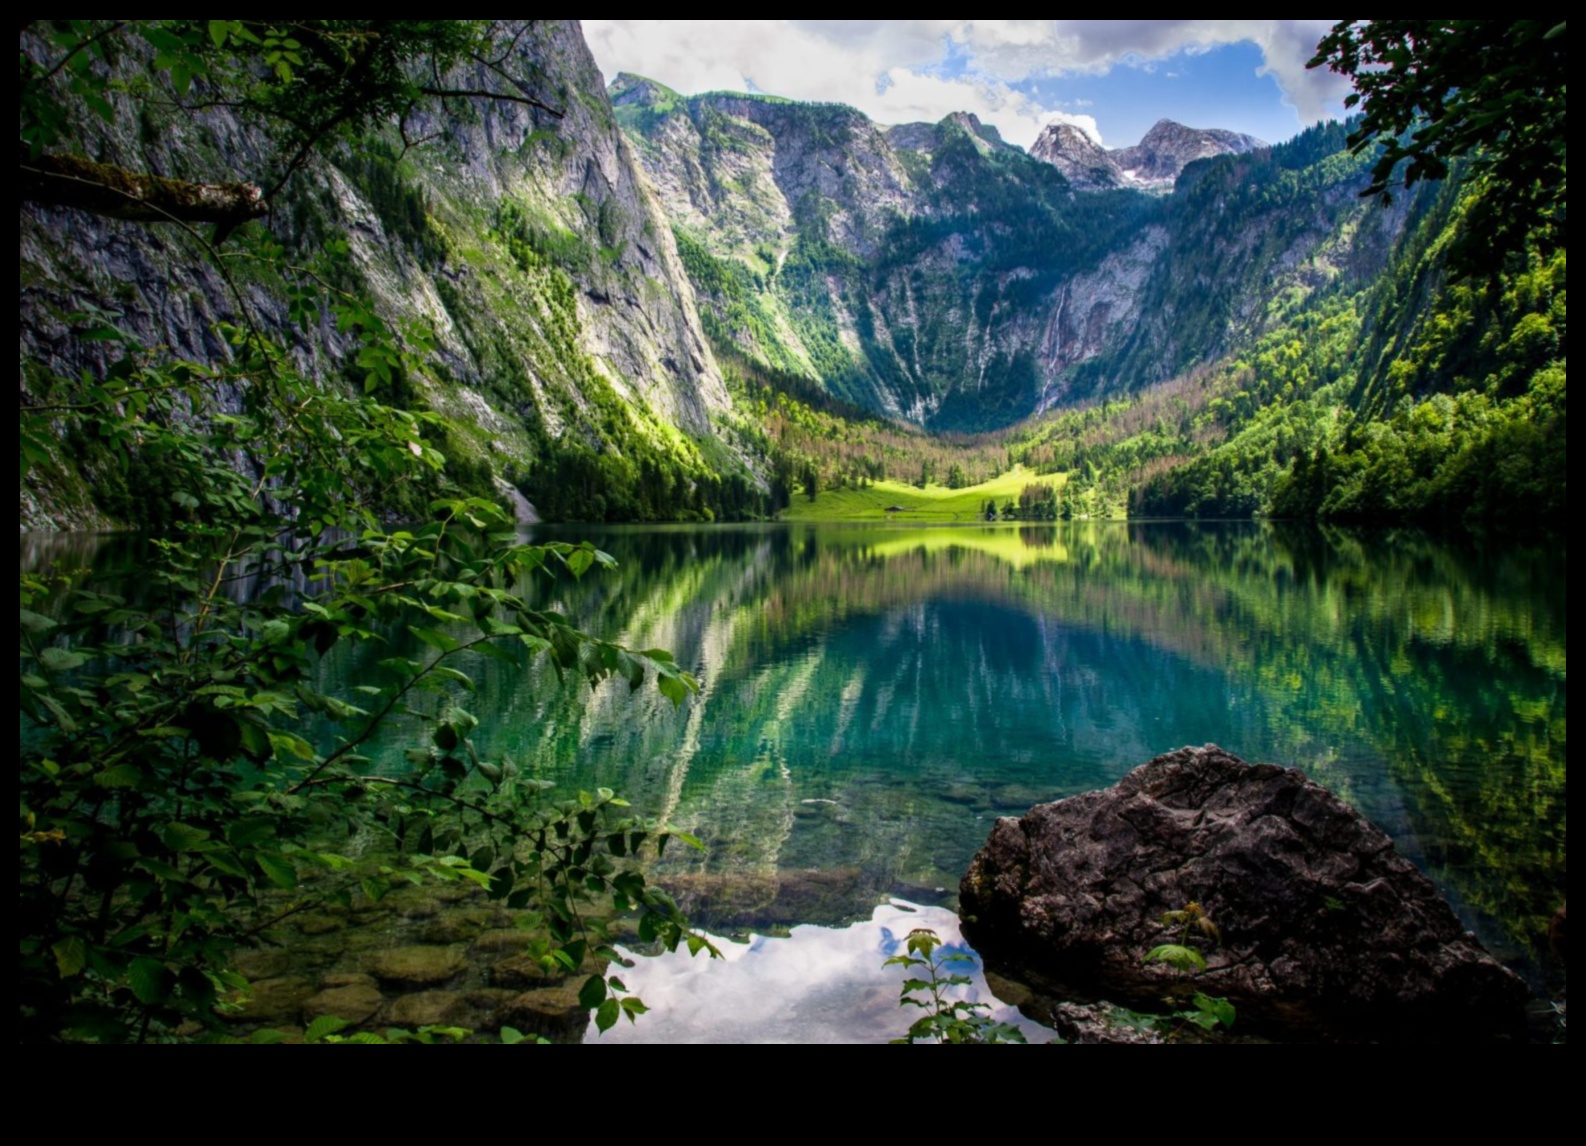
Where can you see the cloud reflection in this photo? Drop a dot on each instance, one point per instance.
(817, 985)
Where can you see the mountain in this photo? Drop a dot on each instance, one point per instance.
(934, 273)
(1086, 164)
(523, 242)
(1153, 164)
(579, 264)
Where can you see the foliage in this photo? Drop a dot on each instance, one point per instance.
(189, 778)
(308, 82)
(1193, 924)
(1435, 90)
(946, 1019)
(168, 785)
(1208, 1012)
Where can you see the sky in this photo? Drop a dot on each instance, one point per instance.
(1113, 78)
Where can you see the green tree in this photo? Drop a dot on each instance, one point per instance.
(1432, 91)
(306, 83)
(189, 773)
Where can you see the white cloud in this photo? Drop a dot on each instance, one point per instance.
(1018, 49)
(897, 71)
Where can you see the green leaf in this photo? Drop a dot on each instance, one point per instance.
(1177, 956)
(60, 660)
(672, 688)
(436, 639)
(182, 837)
(255, 742)
(36, 622)
(606, 1015)
(277, 869)
(150, 980)
(322, 1026)
(592, 993)
(217, 32)
(71, 955)
(118, 776)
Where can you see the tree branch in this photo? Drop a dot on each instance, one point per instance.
(481, 93)
(105, 189)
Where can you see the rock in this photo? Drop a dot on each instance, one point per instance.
(523, 971)
(458, 925)
(550, 1011)
(1084, 163)
(320, 924)
(1095, 1023)
(262, 962)
(502, 940)
(345, 979)
(417, 966)
(272, 1001)
(1325, 927)
(431, 1009)
(489, 1006)
(764, 901)
(356, 1002)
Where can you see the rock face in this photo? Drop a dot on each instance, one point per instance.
(1324, 926)
(1169, 147)
(523, 359)
(935, 273)
(1085, 163)
(1151, 165)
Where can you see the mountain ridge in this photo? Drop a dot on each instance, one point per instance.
(934, 273)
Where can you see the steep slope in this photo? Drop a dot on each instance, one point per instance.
(523, 243)
(937, 274)
(1086, 164)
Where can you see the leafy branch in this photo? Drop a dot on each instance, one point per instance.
(932, 987)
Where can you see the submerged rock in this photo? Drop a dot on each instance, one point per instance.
(553, 1012)
(353, 1000)
(432, 1008)
(1325, 928)
(273, 1001)
(417, 966)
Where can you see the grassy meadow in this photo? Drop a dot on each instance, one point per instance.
(933, 503)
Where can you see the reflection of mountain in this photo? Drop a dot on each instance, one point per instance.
(873, 696)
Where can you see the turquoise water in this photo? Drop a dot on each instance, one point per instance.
(873, 697)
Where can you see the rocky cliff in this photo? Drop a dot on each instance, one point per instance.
(935, 273)
(524, 242)
(1153, 164)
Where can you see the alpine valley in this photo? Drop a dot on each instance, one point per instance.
(508, 546)
(645, 306)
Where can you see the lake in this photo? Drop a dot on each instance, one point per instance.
(873, 697)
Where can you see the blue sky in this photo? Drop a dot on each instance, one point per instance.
(1114, 78)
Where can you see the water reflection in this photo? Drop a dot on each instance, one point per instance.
(817, 984)
(873, 697)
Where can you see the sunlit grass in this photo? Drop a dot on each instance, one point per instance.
(933, 503)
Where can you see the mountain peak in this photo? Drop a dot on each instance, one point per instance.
(631, 89)
(1084, 162)
(1152, 164)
